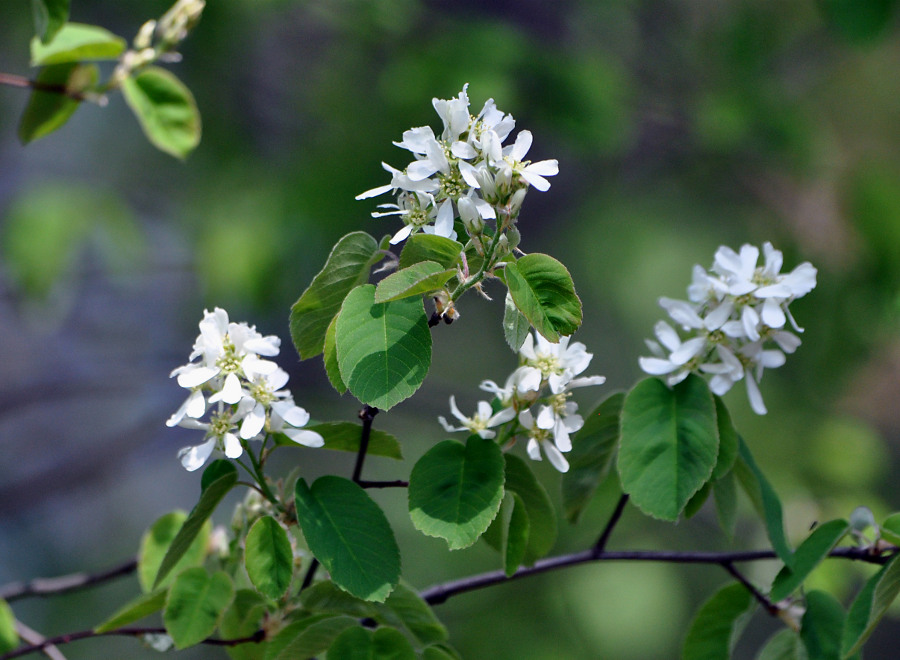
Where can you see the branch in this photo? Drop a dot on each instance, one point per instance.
(65, 583)
(256, 637)
(441, 592)
(767, 604)
(13, 80)
(367, 414)
(399, 483)
(600, 545)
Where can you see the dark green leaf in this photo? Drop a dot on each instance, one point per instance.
(440, 652)
(725, 494)
(537, 505)
(48, 111)
(406, 611)
(807, 556)
(137, 609)
(383, 349)
(361, 644)
(49, 17)
(544, 293)
(890, 529)
(669, 444)
(347, 267)
(215, 470)
(593, 450)
(516, 536)
(822, 625)
(165, 109)
(697, 501)
(428, 247)
(784, 645)
(308, 637)
(455, 490)
(858, 21)
(268, 557)
(195, 604)
(75, 42)
(718, 624)
(156, 542)
(350, 535)
(515, 326)
(416, 280)
(329, 357)
(345, 436)
(728, 441)
(243, 618)
(870, 605)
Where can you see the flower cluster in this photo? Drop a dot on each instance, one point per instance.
(237, 390)
(465, 173)
(547, 418)
(734, 314)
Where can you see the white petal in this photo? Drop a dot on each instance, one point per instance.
(401, 235)
(546, 419)
(305, 437)
(233, 448)
(656, 366)
(750, 319)
(556, 458)
(463, 150)
(290, 413)
(502, 417)
(522, 145)
(193, 458)
(753, 393)
(544, 167)
(231, 392)
(537, 181)
(688, 350)
(533, 449)
(196, 376)
(253, 423)
(772, 314)
(421, 169)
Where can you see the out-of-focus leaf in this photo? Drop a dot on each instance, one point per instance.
(9, 638)
(718, 624)
(195, 604)
(807, 556)
(870, 604)
(137, 609)
(165, 109)
(76, 42)
(47, 111)
(49, 17)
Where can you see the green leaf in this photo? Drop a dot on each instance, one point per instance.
(455, 490)
(728, 440)
(725, 494)
(268, 557)
(383, 349)
(195, 604)
(697, 501)
(406, 611)
(308, 637)
(156, 543)
(516, 541)
(669, 444)
(361, 644)
(440, 652)
(49, 17)
(345, 436)
(429, 247)
(544, 293)
(890, 529)
(347, 267)
(75, 42)
(537, 504)
(242, 619)
(515, 326)
(218, 468)
(822, 625)
(784, 645)
(350, 535)
(326, 596)
(165, 109)
(870, 605)
(593, 450)
(858, 21)
(807, 556)
(416, 280)
(718, 624)
(765, 499)
(137, 609)
(329, 357)
(209, 500)
(9, 638)
(48, 111)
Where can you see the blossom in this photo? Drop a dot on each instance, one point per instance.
(556, 364)
(541, 439)
(479, 423)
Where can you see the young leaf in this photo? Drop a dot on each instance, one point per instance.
(268, 557)
(718, 624)
(9, 638)
(243, 618)
(195, 604)
(350, 535)
(669, 444)
(347, 267)
(725, 495)
(515, 325)
(807, 556)
(728, 440)
(429, 247)
(765, 499)
(345, 436)
(890, 529)
(329, 357)
(455, 490)
(593, 449)
(784, 645)
(218, 468)
(416, 280)
(156, 543)
(870, 605)
(137, 609)
(165, 109)
(326, 596)
(49, 17)
(516, 536)
(383, 349)
(361, 644)
(209, 500)
(48, 111)
(536, 504)
(822, 625)
(544, 292)
(406, 611)
(76, 42)
(308, 637)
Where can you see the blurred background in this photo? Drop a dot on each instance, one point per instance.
(679, 126)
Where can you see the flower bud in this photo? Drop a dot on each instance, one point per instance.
(144, 36)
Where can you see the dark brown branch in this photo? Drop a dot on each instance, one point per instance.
(399, 483)
(13, 80)
(367, 414)
(65, 583)
(737, 575)
(600, 545)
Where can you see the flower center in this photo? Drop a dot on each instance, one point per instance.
(229, 362)
(219, 424)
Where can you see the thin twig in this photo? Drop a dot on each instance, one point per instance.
(310, 573)
(367, 414)
(737, 575)
(399, 483)
(13, 80)
(33, 637)
(600, 545)
(64, 583)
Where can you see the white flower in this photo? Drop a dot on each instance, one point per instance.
(532, 173)
(220, 435)
(555, 364)
(288, 418)
(479, 423)
(539, 439)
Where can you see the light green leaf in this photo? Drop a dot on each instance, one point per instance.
(593, 450)
(9, 638)
(718, 624)
(48, 111)
(822, 624)
(329, 357)
(209, 500)
(49, 17)
(137, 609)
(669, 444)
(870, 605)
(268, 557)
(537, 504)
(241, 620)
(416, 280)
(361, 644)
(165, 109)
(455, 490)
(544, 292)
(345, 436)
(728, 440)
(156, 543)
(515, 326)
(76, 42)
(725, 494)
(195, 604)
(890, 529)
(350, 535)
(807, 556)
(347, 267)
(383, 349)
(308, 637)
(784, 645)
(765, 499)
(429, 247)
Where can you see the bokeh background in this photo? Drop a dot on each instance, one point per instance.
(679, 125)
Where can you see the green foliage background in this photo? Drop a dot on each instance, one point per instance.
(678, 125)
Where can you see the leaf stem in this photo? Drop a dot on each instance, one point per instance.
(12, 80)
